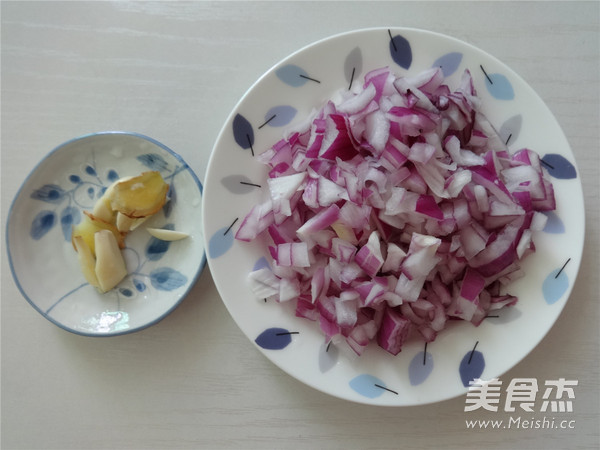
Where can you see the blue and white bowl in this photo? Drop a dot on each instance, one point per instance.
(52, 199)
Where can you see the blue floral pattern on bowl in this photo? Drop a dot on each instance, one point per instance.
(52, 200)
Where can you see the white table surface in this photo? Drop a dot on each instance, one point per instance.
(174, 71)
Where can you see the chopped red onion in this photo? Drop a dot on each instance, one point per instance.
(394, 209)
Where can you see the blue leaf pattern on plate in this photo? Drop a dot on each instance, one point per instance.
(559, 167)
(471, 366)
(420, 367)
(555, 285)
(167, 279)
(239, 184)
(328, 356)
(153, 161)
(499, 86)
(112, 175)
(42, 223)
(75, 179)
(279, 116)
(353, 66)
(261, 263)
(126, 292)
(69, 216)
(220, 242)
(449, 63)
(156, 248)
(368, 385)
(243, 132)
(401, 51)
(274, 339)
(139, 285)
(510, 129)
(49, 193)
(90, 170)
(554, 225)
(292, 75)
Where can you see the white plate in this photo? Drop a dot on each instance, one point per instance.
(419, 374)
(52, 199)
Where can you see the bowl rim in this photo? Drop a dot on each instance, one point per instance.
(19, 192)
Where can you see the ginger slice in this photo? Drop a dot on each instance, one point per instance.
(139, 196)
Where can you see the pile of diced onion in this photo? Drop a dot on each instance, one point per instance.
(395, 208)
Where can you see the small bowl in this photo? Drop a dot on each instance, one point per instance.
(52, 199)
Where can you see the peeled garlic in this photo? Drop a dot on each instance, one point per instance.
(167, 235)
